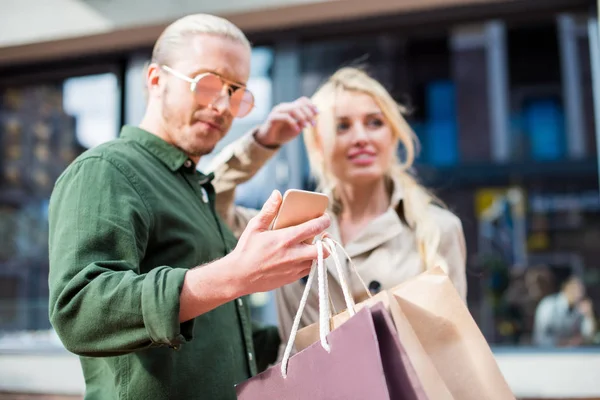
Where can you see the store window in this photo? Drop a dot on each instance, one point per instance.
(530, 210)
(537, 251)
(536, 99)
(43, 128)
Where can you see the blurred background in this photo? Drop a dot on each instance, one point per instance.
(505, 98)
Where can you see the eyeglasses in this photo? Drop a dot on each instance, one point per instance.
(208, 88)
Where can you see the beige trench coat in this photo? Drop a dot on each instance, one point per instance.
(385, 251)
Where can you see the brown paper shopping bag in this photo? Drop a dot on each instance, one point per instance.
(451, 338)
(362, 359)
(440, 336)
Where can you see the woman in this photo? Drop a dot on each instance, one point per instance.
(391, 227)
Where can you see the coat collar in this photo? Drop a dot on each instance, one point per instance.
(379, 231)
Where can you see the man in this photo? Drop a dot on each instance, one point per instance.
(147, 284)
(565, 318)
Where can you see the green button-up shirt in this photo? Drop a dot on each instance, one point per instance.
(127, 220)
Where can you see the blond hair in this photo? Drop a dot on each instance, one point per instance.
(417, 199)
(176, 36)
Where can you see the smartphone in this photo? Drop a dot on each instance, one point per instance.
(300, 206)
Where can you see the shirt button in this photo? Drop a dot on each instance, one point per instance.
(374, 287)
(250, 356)
(204, 195)
(240, 302)
(187, 163)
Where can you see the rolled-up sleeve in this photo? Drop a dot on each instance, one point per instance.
(101, 303)
(161, 291)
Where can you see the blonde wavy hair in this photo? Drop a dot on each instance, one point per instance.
(417, 199)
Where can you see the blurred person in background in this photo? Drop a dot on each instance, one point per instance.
(528, 286)
(147, 284)
(565, 318)
(392, 227)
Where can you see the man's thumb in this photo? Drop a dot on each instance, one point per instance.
(269, 210)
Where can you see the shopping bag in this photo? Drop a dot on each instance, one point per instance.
(362, 359)
(451, 338)
(440, 336)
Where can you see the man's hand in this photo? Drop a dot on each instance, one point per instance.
(586, 308)
(263, 260)
(285, 122)
(270, 259)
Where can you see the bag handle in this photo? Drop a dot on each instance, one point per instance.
(338, 265)
(323, 289)
(317, 265)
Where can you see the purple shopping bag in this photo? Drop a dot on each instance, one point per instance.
(364, 362)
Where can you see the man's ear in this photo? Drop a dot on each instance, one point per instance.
(153, 79)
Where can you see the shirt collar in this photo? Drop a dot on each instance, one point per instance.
(168, 154)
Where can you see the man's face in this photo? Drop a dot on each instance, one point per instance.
(574, 291)
(196, 128)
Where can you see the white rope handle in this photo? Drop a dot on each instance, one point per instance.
(316, 265)
(350, 305)
(324, 310)
(331, 249)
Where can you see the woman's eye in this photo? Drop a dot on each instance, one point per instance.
(377, 123)
(343, 126)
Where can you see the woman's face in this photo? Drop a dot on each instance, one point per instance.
(364, 144)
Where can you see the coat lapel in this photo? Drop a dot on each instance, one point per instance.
(377, 232)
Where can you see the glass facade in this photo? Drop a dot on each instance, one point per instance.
(43, 127)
